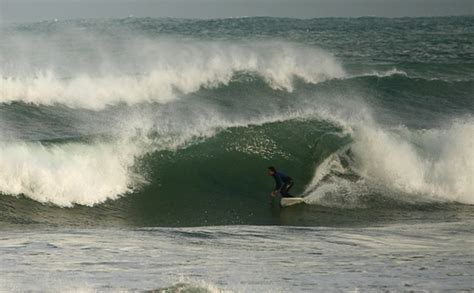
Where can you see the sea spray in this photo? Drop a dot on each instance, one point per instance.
(169, 69)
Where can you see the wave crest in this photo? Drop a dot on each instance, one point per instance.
(168, 69)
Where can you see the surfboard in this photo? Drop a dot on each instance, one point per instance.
(290, 201)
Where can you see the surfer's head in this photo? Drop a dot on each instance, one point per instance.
(271, 170)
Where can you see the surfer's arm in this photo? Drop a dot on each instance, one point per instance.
(278, 184)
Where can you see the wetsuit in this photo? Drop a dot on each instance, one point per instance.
(283, 183)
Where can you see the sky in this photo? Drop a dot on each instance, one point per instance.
(37, 10)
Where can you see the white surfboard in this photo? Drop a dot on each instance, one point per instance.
(290, 201)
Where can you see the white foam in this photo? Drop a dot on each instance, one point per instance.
(167, 68)
(67, 174)
(436, 162)
(190, 284)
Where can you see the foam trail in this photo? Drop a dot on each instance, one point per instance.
(168, 68)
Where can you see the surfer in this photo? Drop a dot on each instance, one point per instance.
(283, 183)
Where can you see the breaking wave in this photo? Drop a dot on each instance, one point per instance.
(167, 70)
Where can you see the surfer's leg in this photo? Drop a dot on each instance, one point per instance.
(285, 190)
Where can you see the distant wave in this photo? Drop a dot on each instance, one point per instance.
(173, 67)
(394, 72)
(386, 73)
(168, 84)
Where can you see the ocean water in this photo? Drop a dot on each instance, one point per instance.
(133, 154)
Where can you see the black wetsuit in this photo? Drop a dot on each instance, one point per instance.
(283, 184)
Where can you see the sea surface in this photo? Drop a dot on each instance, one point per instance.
(133, 154)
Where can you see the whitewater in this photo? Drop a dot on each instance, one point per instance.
(156, 134)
